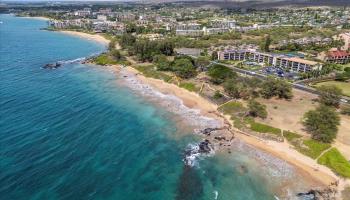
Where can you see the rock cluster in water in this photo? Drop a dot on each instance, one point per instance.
(193, 151)
(52, 65)
(328, 193)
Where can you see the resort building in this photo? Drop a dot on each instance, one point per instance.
(191, 33)
(191, 29)
(291, 63)
(335, 56)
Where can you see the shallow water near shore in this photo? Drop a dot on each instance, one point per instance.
(75, 133)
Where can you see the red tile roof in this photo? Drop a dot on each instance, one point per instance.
(338, 53)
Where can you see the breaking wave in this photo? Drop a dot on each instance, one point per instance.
(171, 103)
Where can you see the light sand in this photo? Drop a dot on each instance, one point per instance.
(40, 18)
(316, 173)
(94, 37)
(287, 115)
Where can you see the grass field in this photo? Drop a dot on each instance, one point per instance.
(232, 108)
(334, 160)
(189, 86)
(150, 71)
(290, 136)
(345, 86)
(104, 59)
(312, 148)
(263, 128)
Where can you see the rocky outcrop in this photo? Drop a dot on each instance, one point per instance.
(328, 193)
(52, 65)
(202, 148)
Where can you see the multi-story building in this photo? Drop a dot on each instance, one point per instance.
(125, 16)
(291, 63)
(83, 13)
(191, 29)
(191, 33)
(211, 31)
(102, 17)
(335, 56)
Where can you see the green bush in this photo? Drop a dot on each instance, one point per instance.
(336, 161)
(263, 128)
(217, 95)
(104, 59)
(313, 148)
(290, 136)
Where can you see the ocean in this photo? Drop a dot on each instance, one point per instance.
(76, 133)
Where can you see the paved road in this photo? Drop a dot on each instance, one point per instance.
(263, 76)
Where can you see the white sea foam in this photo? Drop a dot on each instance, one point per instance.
(274, 166)
(77, 60)
(216, 194)
(193, 154)
(171, 103)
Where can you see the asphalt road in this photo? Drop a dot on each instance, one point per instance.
(262, 76)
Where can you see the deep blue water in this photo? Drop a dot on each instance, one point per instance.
(74, 133)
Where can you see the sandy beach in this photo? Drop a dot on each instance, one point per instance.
(40, 18)
(95, 37)
(317, 175)
(309, 168)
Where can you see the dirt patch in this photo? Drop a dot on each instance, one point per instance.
(287, 115)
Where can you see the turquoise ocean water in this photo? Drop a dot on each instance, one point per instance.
(74, 133)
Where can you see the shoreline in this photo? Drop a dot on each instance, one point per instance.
(306, 166)
(97, 38)
(92, 37)
(319, 176)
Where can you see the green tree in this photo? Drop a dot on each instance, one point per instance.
(233, 89)
(322, 123)
(329, 95)
(130, 28)
(214, 55)
(184, 68)
(127, 40)
(257, 109)
(265, 45)
(116, 54)
(219, 73)
(166, 47)
(111, 45)
(202, 63)
(276, 87)
(162, 63)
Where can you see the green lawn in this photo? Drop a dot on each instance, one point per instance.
(189, 86)
(312, 148)
(334, 160)
(263, 128)
(345, 86)
(290, 136)
(104, 59)
(232, 108)
(150, 71)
